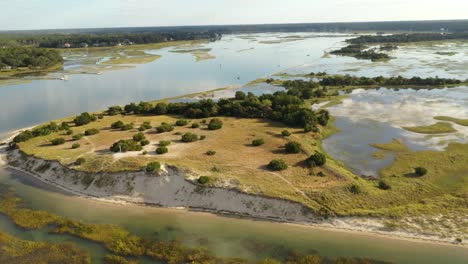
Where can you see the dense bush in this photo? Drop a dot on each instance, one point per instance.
(195, 125)
(144, 142)
(127, 127)
(37, 132)
(215, 124)
(139, 137)
(84, 119)
(285, 133)
(164, 143)
(91, 132)
(117, 125)
(181, 122)
(420, 171)
(202, 137)
(162, 150)
(126, 145)
(258, 142)
(240, 95)
(355, 189)
(277, 165)
(203, 179)
(145, 126)
(293, 147)
(153, 166)
(317, 159)
(69, 132)
(164, 127)
(189, 137)
(57, 141)
(76, 145)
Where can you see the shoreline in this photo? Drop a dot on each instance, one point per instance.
(354, 225)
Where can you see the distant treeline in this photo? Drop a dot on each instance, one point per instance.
(348, 80)
(28, 57)
(404, 38)
(408, 26)
(101, 39)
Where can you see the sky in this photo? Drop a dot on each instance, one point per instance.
(52, 14)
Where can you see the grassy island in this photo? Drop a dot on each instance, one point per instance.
(437, 128)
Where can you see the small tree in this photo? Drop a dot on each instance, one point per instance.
(285, 133)
(292, 147)
(145, 126)
(127, 127)
(69, 132)
(164, 127)
(420, 171)
(162, 150)
(258, 142)
(153, 166)
(139, 137)
(117, 125)
(144, 142)
(240, 95)
(181, 122)
(215, 124)
(277, 165)
(189, 137)
(84, 119)
(195, 125)
(57, 141)
(317, 159)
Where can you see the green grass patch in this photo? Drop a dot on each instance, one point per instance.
(437, 128)
(458, 121)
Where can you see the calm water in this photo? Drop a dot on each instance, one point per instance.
(377, 116)
(238, 61)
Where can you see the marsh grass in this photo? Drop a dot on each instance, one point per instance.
(437, 128)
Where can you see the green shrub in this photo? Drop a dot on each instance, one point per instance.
(76, 145)
(258, 142)
(195, 125)
(277, 165)
(117, 125)
(285, 133)
(80, 161)
(23, 136)
(77, 137)
(292, 147)
(215, 124)
(139, 137)
(164, 143)
(211, 153)
(203, 179)
(181, 122)
(69, 132)
(162, 150)
(240, 95)
(153, 166)
(84, 119)
(64, 126)
(420, 171)
(164, 128)
(127, 127)
(144, 153)
(203, 137)
(126, 145)
(57, 141)
(189, 137)
(114, 110)
(384, 185)
(145, 126)
(91, 132)
(317, 159)
(144, 142)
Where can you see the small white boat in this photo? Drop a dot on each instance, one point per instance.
(63, 78)
(99, 73)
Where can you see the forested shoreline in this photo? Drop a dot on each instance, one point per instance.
(33, 58)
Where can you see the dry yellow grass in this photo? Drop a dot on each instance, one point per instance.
(237, 163)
